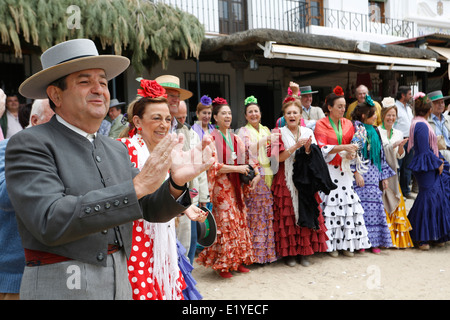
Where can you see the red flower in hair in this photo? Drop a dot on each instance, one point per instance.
(288, 99)
(219, 101)
(151, 89)
(338, 91)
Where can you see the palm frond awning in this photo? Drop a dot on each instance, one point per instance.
(146, 32)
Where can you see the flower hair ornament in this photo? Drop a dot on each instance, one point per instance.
(151, 89)
(388, 102)
(206, 101)
(369, 101)
(288, 99)
(219, 101)
(338, 91)
(420, 95)
(250, 100)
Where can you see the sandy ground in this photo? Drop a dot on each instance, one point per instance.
(401, 274)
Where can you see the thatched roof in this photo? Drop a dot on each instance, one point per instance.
(144, 31)
(250, 38)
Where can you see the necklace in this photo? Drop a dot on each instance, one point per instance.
(230, 145)
(296, 137)
(390, 133)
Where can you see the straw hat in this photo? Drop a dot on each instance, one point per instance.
(172, 82)
(70, 57)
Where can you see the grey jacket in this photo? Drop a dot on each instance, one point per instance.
(71, 196)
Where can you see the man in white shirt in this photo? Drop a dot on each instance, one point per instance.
(10, 119)
(403, 123)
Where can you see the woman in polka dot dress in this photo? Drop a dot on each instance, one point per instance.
(367, 185)
(342, 208)
(154, 263)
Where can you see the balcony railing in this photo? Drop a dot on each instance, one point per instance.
(230, 16)
(301, 19)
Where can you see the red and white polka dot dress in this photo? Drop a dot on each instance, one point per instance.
(141, 272)
(140, 266)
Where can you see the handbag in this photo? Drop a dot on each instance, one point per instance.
(441, 143)
(246, 178)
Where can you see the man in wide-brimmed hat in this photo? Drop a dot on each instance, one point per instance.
(175, 94)
(116, 116)
(310, 113)
(76, 193)
(440, 122)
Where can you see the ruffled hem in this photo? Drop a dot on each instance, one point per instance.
(345, 227)
(290, 239)
(379, 236)
(429, 216)
(190, 292)
(232, 248)
(399, 226)
(424, 162)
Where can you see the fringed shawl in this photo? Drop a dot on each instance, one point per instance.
(432, 138)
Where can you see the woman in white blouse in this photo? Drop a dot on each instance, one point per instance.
(394, 203)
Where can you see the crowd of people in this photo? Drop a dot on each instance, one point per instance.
(132, 199)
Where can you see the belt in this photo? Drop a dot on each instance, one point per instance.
(34, 258)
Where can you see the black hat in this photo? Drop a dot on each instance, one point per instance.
(207, 230)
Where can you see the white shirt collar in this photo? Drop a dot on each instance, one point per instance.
(88, 136)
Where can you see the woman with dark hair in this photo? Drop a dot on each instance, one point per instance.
(342, 209)
(258, 197)
(233, 248)
(367, 185)
(430, 213)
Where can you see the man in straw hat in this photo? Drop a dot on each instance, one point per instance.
(76, 193)
(440, 122)
(176, 96)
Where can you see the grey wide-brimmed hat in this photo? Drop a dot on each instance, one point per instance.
(116, 103)
(306, 90)
(70, 57)
(437, 95)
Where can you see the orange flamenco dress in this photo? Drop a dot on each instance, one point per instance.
(233, 247)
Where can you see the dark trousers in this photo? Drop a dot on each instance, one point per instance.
(403, 171)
